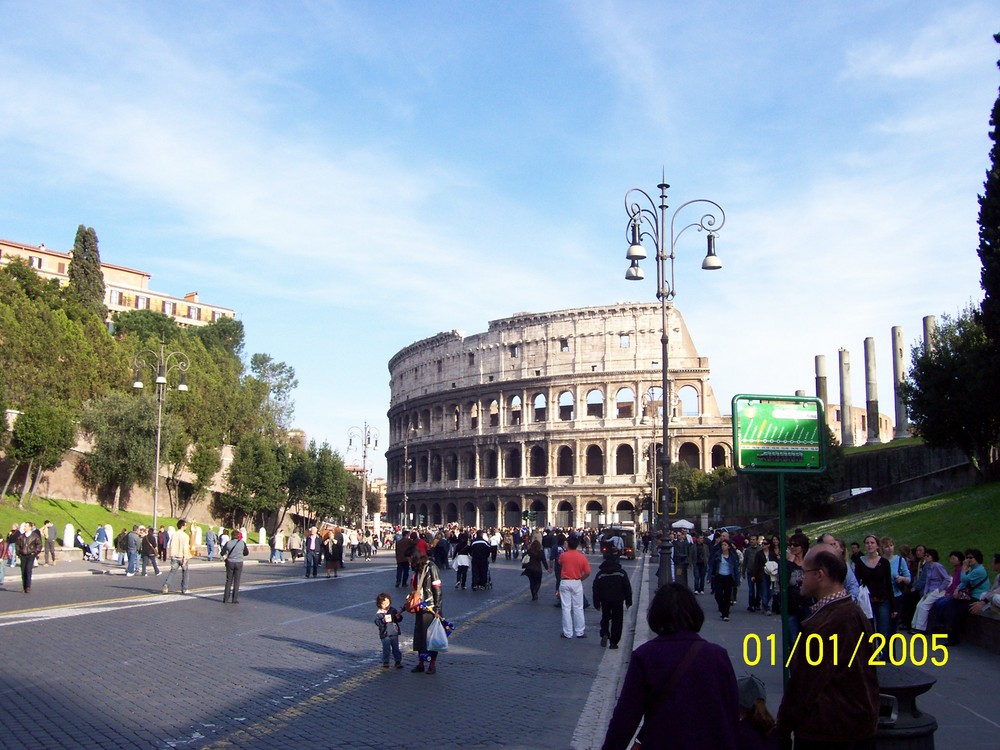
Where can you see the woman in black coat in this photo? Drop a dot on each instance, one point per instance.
(532, 564)
(426, 580)
(479, 551)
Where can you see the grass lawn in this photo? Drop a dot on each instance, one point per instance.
(61, 512)
(954, 520)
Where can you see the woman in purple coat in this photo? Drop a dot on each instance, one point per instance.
(679, 685)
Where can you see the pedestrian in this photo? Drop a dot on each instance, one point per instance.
(211, 539)
(725, 574)
(681, 687)
(753, 572)
(295, 544)
(427, 584)
(132, 544)
(682, 557)
(875, 572)
(403, 550)
(756, 727)
(312, 546)
(387, 618)
(574, 570)
(333, 552)
(612, 593)
(4, 556)
(462, 560)
(479, 551)
(532, 563)
(178, 551)
(49, 537)
(147, 549)
(233, 554)
(834, 701)
(29, 546)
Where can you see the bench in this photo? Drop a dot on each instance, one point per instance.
(982, 631)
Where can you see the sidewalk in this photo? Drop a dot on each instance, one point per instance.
(962, 700)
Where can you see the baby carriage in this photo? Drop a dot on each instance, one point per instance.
(88, 554)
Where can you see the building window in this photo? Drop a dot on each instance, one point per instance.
(515, 351)
(623, 341)
(192, 312)
(141, 303)
(168, 307)
(35, 262)
(62, 268)
(564, 345)
(472, 359)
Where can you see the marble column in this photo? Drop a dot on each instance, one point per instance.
(846, 426)
(898, 377)
(871, 393)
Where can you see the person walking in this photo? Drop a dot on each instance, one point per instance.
(479, 551)
(211, 539)
(462, 560)
(725, 574)
(333, 552)
(29, 546)
(313, 548)
(575, 569)
(132, 544)
(404, 548)
(532, 564)
(147, 549)
(875, 572)
(612, 593)
(427, 583)
(49, 536)
(678, 685)
(178, 550)
(233, 554)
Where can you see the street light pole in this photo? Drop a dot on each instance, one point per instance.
(162, 363)
(651, 222)
(368, 437)
(650, 407)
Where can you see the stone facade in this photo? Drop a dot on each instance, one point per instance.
(552, 412)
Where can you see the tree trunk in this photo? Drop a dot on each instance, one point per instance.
(24, 487)
(117, 500)
(34, 483)
(10, 477)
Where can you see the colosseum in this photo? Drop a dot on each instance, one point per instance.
(553, 413)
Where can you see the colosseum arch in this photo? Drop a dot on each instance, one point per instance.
(690, 401)
(422, 468)
(456, 417)
(567, 406)
(511, 513)
(565, 466)
(537, 462)
(489, 465)
(595, 403)
(436, 517)
(540, 404)
(435, 468)
(469, 516)
(473, 409)
(438, 424)
(625, 403)
(451, 466)
(512, 463)
(494, 412)
(720, 455)
(594, 512)
(624, 459)
(541, 513)
(451, 513)
(488, 515)
(564, 515)
(469, 464)
(689, 454)
(514, 410)
(595, 460)
(626, 511)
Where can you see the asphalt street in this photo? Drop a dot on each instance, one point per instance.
(94, 659)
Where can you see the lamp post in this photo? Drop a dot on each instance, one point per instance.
(162, 363)
(650, 221)
(650, 412)
(368, 437)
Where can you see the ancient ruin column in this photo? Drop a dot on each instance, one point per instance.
(871, 392)
(846, 425)
(930, 328)
(821, 379)
(899, 376)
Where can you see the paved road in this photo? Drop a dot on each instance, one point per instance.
(102, 661)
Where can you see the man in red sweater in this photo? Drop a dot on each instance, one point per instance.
(575, 569)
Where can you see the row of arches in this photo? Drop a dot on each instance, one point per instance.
(514, 463)
(495, 513)
(471, 415)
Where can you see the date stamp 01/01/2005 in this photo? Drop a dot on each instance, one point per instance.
(916, 649)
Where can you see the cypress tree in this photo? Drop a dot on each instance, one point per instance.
(989, 233)
(86, 279)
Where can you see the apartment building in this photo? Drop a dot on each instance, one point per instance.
(124, 288)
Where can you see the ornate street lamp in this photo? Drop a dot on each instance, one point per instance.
(162, 363)
(368, 437)
(650, 221)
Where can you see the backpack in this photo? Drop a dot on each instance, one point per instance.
(121, 543)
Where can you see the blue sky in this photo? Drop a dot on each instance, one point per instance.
(352, 177)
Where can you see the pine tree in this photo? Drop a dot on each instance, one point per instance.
(86, 279)
(989, 233)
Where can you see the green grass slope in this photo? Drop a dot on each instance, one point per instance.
(83, 516)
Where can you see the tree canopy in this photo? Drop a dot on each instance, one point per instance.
(86, 278)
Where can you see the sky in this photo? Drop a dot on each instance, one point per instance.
(354, 177)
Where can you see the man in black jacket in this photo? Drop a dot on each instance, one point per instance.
(29, 546)
(612, 593)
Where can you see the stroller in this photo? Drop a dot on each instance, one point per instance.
(88, 553)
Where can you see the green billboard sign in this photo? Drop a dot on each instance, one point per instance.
(779, 434)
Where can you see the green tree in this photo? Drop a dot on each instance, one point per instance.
(224, 334)
(42, 434)
(329, 495)
(86, 279)
(205, 463)
(254, 480)
(123, 430)
(146, 325)
(951, 392)
(279, 379)
(989, 234)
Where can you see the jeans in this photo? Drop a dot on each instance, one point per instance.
(767, 591)
(175, 563)
(234, 571)
(390, 644)
(151, 559)
(699, 576)
(883, 618)
(753, 593)
(402, 573)
(312, 563)
(133, 562)
(211, 549)
(27, 565)
(3, 567)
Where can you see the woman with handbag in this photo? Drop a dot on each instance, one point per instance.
(532, 563)
(874, 571)
(232, 555)
(426, 585)
(676, 674)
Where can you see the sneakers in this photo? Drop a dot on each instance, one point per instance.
(129, 575)
(158, 573)
(725, 618)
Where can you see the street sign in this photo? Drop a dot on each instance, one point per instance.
(774, 434)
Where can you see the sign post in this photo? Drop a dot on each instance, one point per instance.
(779, 435)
